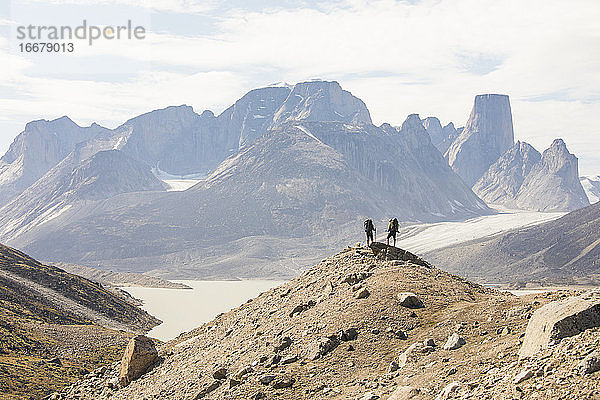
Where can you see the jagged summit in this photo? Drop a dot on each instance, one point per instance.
(37, 149)
(486, 136)
(502, 181)
(522, 178)
(322, 101)
(553, 183)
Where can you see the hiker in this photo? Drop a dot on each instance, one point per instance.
(392, 230)
(369, 228)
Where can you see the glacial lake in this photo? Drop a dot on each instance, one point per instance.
(182, 310)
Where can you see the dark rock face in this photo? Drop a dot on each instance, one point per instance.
(487, 135)
(553, 183)
(502, 181)
(42, 145)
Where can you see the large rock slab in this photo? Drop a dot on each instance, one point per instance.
(140, 355)
(560, 319)
(395, 253)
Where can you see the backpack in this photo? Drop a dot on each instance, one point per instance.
(368, 225)
(393, 225)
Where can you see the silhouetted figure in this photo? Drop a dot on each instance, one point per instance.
(369, 229)
(392, 230)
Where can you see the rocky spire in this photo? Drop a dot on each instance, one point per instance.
(487, 135)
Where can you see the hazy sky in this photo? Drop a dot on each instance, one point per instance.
(400, 57)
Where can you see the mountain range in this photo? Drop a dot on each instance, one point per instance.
(502, 172)
(294, 165)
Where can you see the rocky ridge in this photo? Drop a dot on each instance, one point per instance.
(441, 137)
(55, 327)
(342, 331)
(591, 185)
(501, 182)
(37, 149)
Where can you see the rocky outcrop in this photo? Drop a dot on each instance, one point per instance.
(503, 180)
(140, 355)
(486, 136)
(410, 300)
(558, 320)
(553, 183)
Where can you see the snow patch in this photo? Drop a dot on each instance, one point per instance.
(303, 129)
(178, 183)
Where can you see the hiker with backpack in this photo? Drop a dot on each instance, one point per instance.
(392, 230)
(369, 228)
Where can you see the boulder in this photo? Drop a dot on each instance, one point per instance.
(241, 373)
(266, 379)
(214, 385)
(283, 382)
(409, 354)
(348, 334)
(410, 300)
(283, 344)
(322, 347)
(590, 364)
(220, 373)
(362, 293)
(404, 393)
(455, 341)
(140, 355)
(560, 319)
(289, 360)
(523, 376)
(448, 391)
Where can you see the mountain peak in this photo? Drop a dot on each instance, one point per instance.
(487, 135)
(322, 101)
